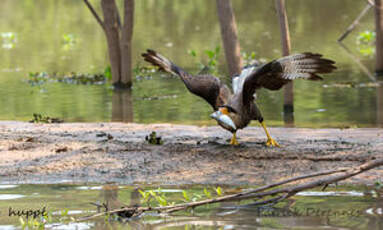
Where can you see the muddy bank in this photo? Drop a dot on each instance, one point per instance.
(118, 152)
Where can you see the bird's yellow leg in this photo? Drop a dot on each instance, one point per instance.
(233, 140)
(270, 141)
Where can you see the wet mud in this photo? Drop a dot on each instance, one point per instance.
(119, 152)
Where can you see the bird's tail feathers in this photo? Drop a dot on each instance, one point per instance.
(162, 62)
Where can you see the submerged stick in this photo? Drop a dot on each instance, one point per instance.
(260, 193)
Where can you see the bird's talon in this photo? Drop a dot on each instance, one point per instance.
(233, 140)
(271, 142)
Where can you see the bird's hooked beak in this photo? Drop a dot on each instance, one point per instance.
(223, 119)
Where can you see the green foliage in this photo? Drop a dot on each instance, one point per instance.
(212, 60)
(154, 198)
(218, 190)
(32, 223)
(207, 193)
(366, 43)
(186, 197)
(38, 118)
(64, 212)
(41, 221)
(148, 195)
(249, 58)
(366, 37)
(108, 72)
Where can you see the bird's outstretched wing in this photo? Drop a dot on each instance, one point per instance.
(277, 73)
(208, 87)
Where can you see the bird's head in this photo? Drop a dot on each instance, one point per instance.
(222, 116)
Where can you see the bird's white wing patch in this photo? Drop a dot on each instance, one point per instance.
(238, 80)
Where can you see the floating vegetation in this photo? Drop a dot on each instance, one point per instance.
(366, 43)
(151, 98)
(144, 72)
(39, 78)
(9, 40)
(153, 139)
(38, 118)
(353, 85)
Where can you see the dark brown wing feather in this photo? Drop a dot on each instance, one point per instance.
(277, 73)
(208, 87)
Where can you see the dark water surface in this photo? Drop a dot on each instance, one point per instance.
(347, 208)
(62, 36)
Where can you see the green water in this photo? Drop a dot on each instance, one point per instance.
(40, 42)
(343, 208)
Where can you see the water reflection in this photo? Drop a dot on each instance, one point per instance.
(160, 25)
(298, 213)
(288, 118)
(122, 106)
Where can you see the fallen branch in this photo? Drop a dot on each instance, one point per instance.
(263, 196)
(351, 27)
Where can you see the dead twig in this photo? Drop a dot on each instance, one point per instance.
(351, 27)
(90, 7)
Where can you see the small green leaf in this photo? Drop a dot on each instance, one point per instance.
(185, 195)
(219, 191)
(22, 222)
(162, 201)
(192, 53)
(209, 53)
(207, 193)
(108, 73)
(151, 192)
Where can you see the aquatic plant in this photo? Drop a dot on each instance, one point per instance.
(366, 43)
(38, 118)
(46, 221)
(249, 58)
(212, 63)
(157, 198)
(39, 78)
(153, 139)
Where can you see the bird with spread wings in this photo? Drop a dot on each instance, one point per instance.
(235, 109)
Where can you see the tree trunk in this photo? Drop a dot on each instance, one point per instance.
(119, 39)
(229, 36)
(379, 37)
(126, 43)
(110, 12)
(288, 106)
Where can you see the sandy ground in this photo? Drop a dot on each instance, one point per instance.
(118, 152)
